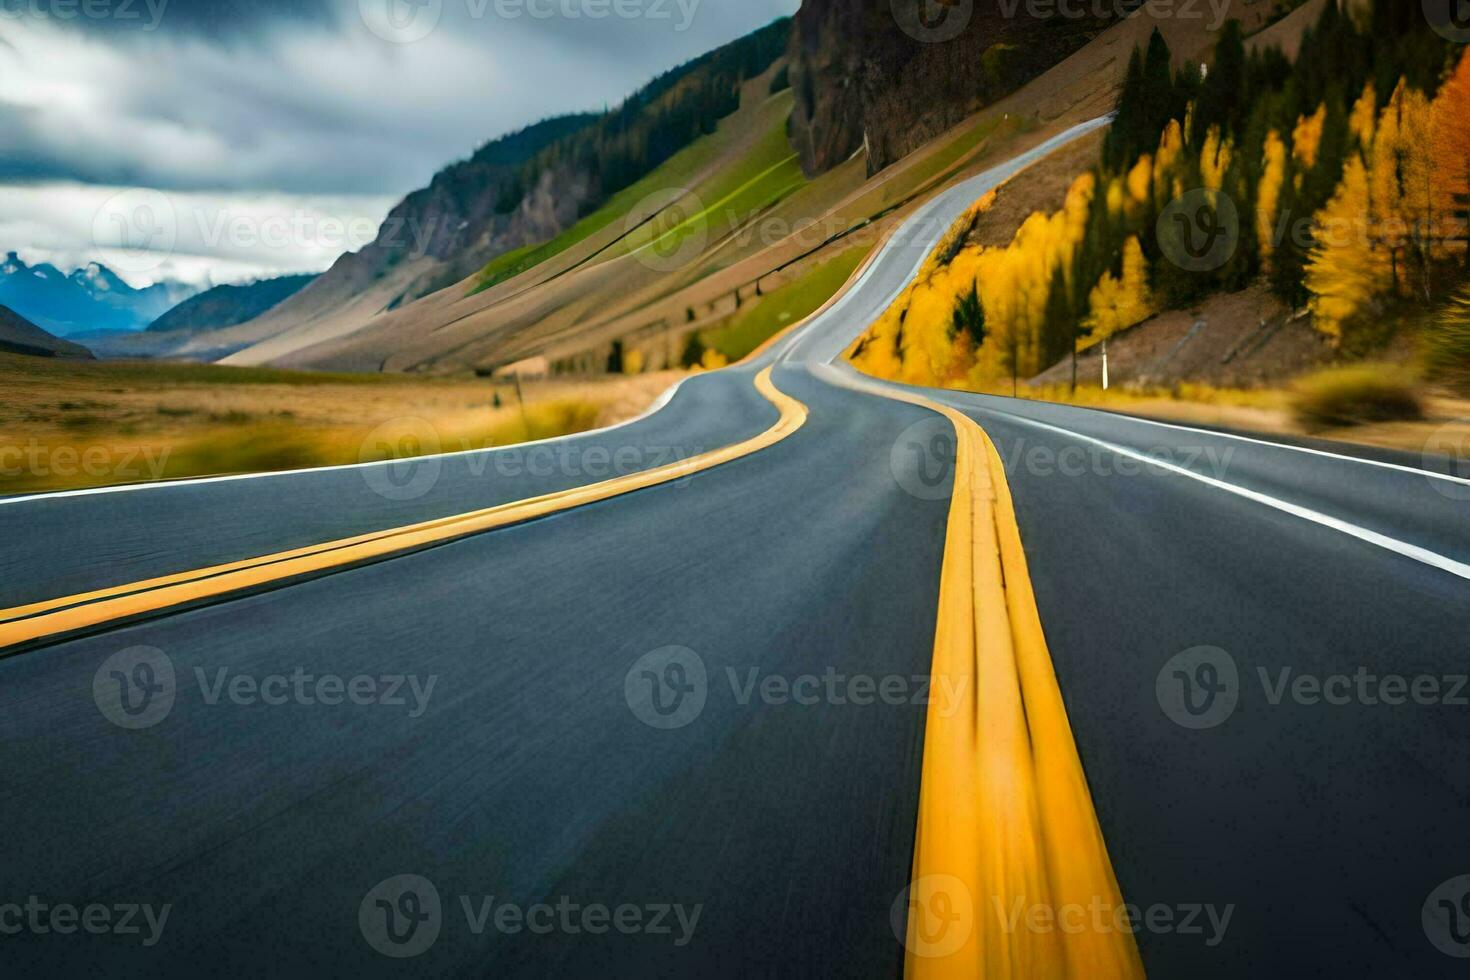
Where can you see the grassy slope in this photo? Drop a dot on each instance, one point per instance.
(766, 171)
(773, 312)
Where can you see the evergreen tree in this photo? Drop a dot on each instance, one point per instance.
(694, 349)
(969, 316)
(1120, 144)
(1058, 324)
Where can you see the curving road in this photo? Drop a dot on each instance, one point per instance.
(679, 731)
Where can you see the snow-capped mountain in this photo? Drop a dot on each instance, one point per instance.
(88, 299)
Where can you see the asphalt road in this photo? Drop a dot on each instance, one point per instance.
(646, 727)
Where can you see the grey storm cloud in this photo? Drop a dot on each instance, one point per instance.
(221, 21)
(308, 96)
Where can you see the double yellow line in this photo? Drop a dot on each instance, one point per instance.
(1011, 876)
(54, 618)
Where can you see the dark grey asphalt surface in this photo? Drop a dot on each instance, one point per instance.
(526, 773)
(1326, 826)
(139, 534)
(528, 778)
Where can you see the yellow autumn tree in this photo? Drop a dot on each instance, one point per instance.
(1214, 159)
(1401, 198)
(1306, 139)
(1360, 120)
(916, 340)
(1139, 178)
(1171, 145)
(1118, 303)
(1346, 269)
(1268, 193)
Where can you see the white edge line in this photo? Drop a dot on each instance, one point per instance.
(1415, 471)
(658, 405)
(1424, 555)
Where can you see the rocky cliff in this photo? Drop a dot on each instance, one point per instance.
(893, 74)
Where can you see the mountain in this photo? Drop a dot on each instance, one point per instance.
(227, 305)
(88, 299)
(19, 336)
(516, 192)
(871, 74)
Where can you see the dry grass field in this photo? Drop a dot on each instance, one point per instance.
(66, 425)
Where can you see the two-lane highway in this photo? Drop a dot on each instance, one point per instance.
(680, 730)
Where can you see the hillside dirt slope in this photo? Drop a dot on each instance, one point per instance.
(765, 225)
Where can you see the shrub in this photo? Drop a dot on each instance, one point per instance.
(1356, 394)
(1447, 342)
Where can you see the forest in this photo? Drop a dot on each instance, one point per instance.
(1339, 180)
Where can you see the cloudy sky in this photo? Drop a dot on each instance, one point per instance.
(251, 137)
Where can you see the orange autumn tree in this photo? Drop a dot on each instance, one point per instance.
(1450, 148)
(1380, 233)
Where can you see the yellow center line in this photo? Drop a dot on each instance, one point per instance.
(55, 617)
(1011, 875)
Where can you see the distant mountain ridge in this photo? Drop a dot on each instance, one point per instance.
(86, 300)
(516, 191)
(19, 336)
(229, 304)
